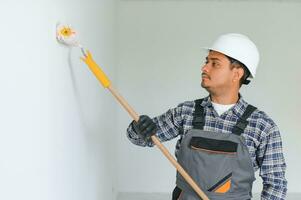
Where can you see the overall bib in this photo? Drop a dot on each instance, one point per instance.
(218, 162)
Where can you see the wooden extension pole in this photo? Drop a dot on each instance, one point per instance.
(107, 84)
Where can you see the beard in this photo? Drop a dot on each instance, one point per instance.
(204, 78)
(205, 84)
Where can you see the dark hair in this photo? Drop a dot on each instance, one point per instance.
(235, 63)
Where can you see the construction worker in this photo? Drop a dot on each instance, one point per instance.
(223, 139)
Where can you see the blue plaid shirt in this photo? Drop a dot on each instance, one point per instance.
(262, 138)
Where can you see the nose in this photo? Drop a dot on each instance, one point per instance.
(204, 68)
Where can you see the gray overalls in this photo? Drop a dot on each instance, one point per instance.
(219, 162)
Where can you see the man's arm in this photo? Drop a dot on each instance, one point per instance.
(272, 166)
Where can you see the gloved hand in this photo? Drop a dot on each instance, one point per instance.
(145, 127)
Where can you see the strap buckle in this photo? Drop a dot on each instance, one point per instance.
(242, 125)
(198, 119)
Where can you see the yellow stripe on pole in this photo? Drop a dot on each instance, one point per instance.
(100, 75)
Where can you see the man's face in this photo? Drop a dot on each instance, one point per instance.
(217, 76)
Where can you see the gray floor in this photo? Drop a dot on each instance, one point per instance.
(164, 196)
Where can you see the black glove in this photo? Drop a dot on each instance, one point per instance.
(145, 127)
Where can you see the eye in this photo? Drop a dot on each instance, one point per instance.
(215, 64)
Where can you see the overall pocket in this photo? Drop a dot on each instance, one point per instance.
(211, 162)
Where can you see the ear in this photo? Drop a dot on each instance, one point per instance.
(238, 73)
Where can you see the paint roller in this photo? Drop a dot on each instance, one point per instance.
(67, 36)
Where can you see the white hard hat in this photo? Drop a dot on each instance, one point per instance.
(239, 47)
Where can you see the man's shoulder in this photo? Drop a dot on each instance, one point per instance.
(191, 103)
(186, 104)
(262, 119)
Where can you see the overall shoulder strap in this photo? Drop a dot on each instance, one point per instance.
(198, 121)
(242, 122)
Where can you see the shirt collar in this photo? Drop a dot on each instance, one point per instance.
(238, 109)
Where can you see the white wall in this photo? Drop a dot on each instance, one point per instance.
(159, 67)
(56, 120)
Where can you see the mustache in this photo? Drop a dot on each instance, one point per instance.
(205, 75)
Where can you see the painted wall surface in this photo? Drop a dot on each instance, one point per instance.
(159, 66)
(56, 119)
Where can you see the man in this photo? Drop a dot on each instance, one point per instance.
(223, 139)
